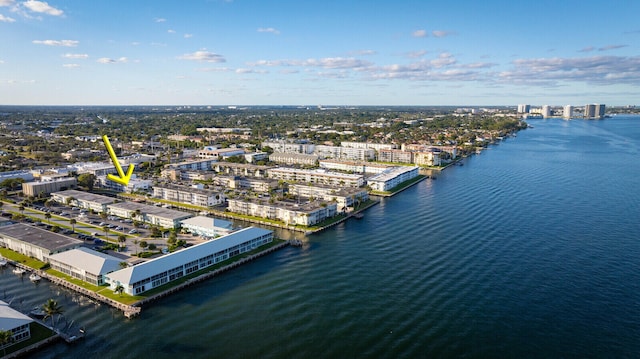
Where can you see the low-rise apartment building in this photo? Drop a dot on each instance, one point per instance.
(293, 158)
(392, 177)
(197, 196)
(291, 213)
(317, 176)
(46, 187)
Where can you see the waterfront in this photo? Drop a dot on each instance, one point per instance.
(529, 249)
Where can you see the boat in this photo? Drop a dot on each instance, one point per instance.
(37, 312)
(3, 262)
(34, 277)
(358, 215)
(18, 271)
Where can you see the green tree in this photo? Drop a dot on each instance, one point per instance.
(48, 217)
(21, 209)
(144, 245)
(123, 264)
(73, 222)
(122, 239)
(119, 288)
(87, 180)
(152, 247)
(6, 337)
(106, 231)
(51, 308)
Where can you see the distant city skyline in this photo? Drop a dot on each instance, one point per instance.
(235, 52)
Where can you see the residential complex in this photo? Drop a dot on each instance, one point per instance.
(195, 195)
(207, 227)
(84, 264)
(158, 271)
(317, 176)
(392, 177)
(289, 212)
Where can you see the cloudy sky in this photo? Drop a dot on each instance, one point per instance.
(331, 52)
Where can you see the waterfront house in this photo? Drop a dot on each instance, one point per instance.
(15, 322)
(85, 264)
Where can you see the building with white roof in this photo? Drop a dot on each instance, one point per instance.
(82, 199)
(317, 176)
(392, 177)
(207, 227)
(163, 217)
(197, 196)
(15, 322)
(158, 271)
(85, 264)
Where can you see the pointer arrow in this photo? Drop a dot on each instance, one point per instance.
(121, 178)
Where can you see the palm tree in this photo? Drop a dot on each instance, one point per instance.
(21, 209)
(135, 242)
(119, 289)
(106, 231)
(48, 217)
(51, 308)
(122, 239)
(6, 337)
(123, 264)
(73, 222)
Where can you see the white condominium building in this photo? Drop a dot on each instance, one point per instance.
(317, 176)
(392, 177)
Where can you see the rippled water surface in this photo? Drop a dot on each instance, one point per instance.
(531, 249)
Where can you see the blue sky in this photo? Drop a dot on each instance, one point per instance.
(260, 52)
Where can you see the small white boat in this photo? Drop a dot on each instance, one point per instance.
(18, 271)
(3, 262)
(37, 312)
(34, 277)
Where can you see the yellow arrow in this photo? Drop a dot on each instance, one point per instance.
(121, 178)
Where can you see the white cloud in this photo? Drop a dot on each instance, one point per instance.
(250, 71)
(416, 54)
(594, 69)
(106, 60)
(75, 56)
(587, 49)
(611, 47)
(188, 36)
(71, 66)
(65, 43)
(171, 31)
(269, 30)
(215, 69)
(420, 33)
(6, 19)
(203, 56)
(363, 52)
(159, 19)
(444, 59)
(442, 33)
(42, 7)
(7, 2)
(327, 62)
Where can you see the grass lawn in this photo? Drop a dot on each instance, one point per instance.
(21, 258)
(38, 333)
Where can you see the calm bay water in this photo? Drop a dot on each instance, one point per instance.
(531, 249)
